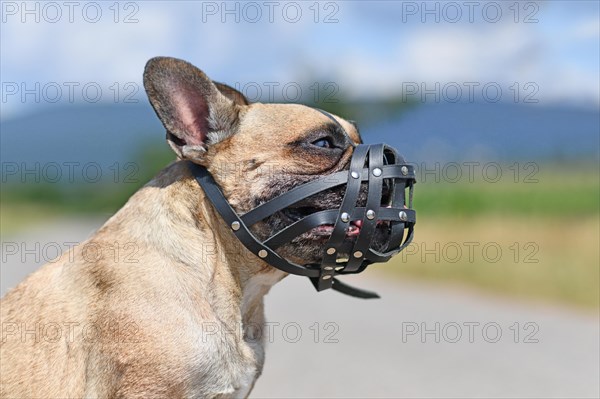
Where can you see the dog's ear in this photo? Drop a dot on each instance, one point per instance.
(232, 94)
(195, 111)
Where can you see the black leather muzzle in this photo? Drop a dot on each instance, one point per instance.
(388, 180)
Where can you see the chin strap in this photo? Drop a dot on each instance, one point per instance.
(232, 219)
(347, 289)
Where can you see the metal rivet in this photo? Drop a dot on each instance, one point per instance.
(330, 251)
(376, 172)
(328, 268)
(402, 215)
(339, 268)
(326, 277)
(262, 253)
(370, 214)
(354, 175)
(404, 170)
(345, 217)
(235, 226)
(358, 254)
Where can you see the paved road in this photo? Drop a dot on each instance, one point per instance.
(404, 345)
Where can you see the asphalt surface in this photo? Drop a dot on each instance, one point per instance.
(420, 340)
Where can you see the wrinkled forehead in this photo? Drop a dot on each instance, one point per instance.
(296, 119)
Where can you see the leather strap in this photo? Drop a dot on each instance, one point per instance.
(329, 262)
(218, 200)
(367, 230)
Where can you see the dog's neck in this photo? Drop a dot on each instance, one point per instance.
(172, 216)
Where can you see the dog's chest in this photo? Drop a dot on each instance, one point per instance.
(235, 351)
(225, 362)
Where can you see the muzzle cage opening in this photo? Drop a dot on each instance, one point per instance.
(388, 182)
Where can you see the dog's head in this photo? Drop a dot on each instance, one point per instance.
(256, 151)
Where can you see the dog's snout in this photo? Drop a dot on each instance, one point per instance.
(386, 193)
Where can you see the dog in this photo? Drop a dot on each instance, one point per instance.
(160, 325)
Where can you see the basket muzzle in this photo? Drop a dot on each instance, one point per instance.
(377, 169)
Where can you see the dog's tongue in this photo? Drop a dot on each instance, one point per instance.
(356, 225)
(354, 228)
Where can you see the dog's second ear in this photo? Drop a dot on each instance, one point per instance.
(195, 111)
(232, 94)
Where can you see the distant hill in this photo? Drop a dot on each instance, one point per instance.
(80, 133)
(493, 132)
(501, 132)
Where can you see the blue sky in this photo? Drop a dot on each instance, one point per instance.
(372, 49)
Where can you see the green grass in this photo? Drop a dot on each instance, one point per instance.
(557, 193)
(16, 217)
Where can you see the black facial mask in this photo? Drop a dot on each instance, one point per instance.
(389, 183)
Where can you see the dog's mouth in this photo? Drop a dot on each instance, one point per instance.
(308, 246)
(294, 214)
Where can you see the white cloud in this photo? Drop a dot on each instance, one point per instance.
(505, 52)
(587, 29)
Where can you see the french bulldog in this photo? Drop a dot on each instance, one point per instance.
(172, 322)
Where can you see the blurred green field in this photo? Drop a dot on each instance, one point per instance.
(554, 192)
(530, 239)
(24, 204)
(530, 257)
(536, 237)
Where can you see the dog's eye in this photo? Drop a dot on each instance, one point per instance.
(324, 142)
